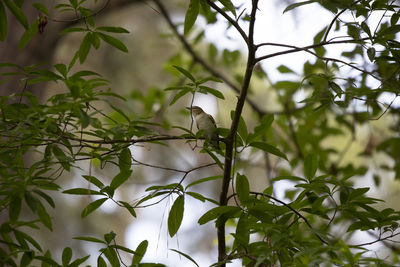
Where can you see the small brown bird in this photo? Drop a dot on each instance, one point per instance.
(206, 122)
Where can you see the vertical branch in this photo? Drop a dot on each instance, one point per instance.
(223, 201)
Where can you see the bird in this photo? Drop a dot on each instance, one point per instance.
(206, 122)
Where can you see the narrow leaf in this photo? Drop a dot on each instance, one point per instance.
(113, 42)
(66, 256)
(89, 239)
(212, 91)
(125, 160)
(310, 166)
(185, 72)
(28, 35)
(15, 208)
(186, 256)
(93, 180)
(45, 197)
(202, 180)
(129, 208)
(140, 251)
(73, 29)
(44, 217)
(191, 15)
(93, 206)
(101, 262)
(120, 178)
(112, 29)
(176, 215)
(293, 6)
(3, 22)
(81, 191)
(228, 5)
(217, 212)
(42, 8)
(242, 188)
(85, 47)
(269, 149)
(179, 95)
(17, 12)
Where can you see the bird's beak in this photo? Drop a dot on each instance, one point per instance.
(189, 108)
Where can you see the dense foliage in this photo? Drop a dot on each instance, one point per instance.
(42, 139)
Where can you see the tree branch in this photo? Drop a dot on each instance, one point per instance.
(223, 200)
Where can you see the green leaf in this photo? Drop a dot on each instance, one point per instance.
(293, 6)
(66, 256)
(62, 69)
(15, 208)
(265, 124)
(242, 188)
(28, 35)
(119, 111)
(140, 251)
(82, 191)
(174, 88)
(201, 197)
(112, 29)
(73, 29)
(310, 166)
(17, 12)
(44, 217)
(47, 261)
(242, 235)
(129, 208)
(89, 239)
(196, 196)
(212, 91)
(45, 197)
(186, 256)
(93, 180)
(176, 215)
(371, 53)
(3, 22)
(101, 262)
(41, 7)
(228, 5)
(214, 157)
(217, 212)
(269, 149)
(185, 72)
(28, 238)
(288, 177)
(61, 157)
(85, 47)
(191, 15)
(285, 69)
(84, 117)
(79, 261)
(93, 206)
(112, 256)
(336, 88)
(25, 259)
(390, 30)
(202, 180)
(125, 160)
(242, 128)
(179, 95)
(120, 178)
(108, 237)
(113, 42)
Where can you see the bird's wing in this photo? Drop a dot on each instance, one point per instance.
(212, 119)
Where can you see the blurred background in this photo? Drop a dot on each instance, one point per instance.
(142, 75)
